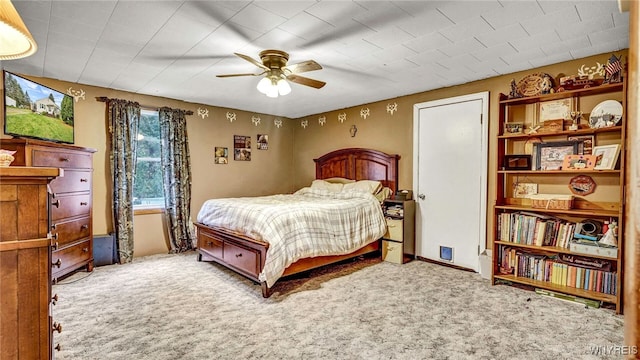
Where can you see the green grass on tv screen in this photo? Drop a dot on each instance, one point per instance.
(27, 123)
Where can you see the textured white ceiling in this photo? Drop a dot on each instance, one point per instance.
(370, 50)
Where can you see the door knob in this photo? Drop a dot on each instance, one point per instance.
(421, 196)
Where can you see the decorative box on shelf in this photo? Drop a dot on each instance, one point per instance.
(593, 249)
(551, 201)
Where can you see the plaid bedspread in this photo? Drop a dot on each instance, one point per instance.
(308, 223)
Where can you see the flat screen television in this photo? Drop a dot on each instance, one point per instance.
(32, 110)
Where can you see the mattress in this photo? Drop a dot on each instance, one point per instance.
(308, 223)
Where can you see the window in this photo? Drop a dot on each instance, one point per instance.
(147, 184)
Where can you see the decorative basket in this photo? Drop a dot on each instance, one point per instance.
(551, 201)
(6, 157)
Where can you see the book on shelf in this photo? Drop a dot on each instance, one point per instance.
(562, 270)
(534, 229)
(569, 298)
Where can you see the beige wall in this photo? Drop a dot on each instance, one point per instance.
(288, 164)
(394, 133)
(269, 171)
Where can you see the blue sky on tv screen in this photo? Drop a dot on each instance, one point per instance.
(37, 91)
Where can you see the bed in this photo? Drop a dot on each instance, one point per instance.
(247, 255)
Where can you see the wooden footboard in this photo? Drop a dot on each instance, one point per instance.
(246, 256)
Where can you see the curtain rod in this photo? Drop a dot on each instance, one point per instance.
(105, 99)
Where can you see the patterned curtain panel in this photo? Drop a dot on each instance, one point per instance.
(124, 117)
(176, 170)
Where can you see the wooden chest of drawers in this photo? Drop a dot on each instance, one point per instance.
(71, 203)
(26, 325)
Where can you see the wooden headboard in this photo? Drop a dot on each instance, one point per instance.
(359, 164)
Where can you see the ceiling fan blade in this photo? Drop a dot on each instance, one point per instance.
(253, 61)
(304, 66)
(306, 81)
(232, 75)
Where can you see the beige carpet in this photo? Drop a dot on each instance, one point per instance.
(173, 307)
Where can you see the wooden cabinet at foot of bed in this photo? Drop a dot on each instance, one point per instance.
(243, 258)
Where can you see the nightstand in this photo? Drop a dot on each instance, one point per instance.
(398, 244)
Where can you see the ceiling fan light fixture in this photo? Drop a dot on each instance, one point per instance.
(272, 92)
(263, 85)
(283, 87)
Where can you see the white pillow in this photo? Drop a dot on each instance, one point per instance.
(325, 185)
(339, 180)
(370, 186)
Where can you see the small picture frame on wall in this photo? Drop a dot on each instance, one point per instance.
(262, 141)
(241, 148)
(221, 155)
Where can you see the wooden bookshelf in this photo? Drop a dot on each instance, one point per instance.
(604, 204)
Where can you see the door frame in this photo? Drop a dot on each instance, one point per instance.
(484, 97)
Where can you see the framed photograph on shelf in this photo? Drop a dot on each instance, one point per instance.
(606, 156)
(513, 128)
(555, 109)
(517, 162)
(550, 155)
(579, 162)
(523, 190)
(585, 143)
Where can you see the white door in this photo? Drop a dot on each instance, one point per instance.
(450, 167)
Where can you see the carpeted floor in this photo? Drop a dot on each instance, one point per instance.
(173, 307)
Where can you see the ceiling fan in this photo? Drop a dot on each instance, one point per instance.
(276, 72)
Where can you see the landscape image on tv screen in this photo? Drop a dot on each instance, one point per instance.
(36, 111)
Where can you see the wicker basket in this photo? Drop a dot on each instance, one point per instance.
(551, 201)
(5, 159)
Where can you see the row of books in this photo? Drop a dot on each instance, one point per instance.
(548, 269)
(535, 229)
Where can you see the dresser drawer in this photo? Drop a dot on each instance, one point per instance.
(73, 180)
(394, 230)
(242, 258)
(70, 231)
(65, 206)
(210, 245)
(61, 158)
(71, 257)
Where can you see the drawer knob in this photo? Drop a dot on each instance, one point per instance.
(57, 327)
(56, 203)
(53, 226)
(239, 255)
(64, 159)
(54, 299)
(84, 227)
(57, 263)
(85, 249)
(55, 246)
(54, 236)
(57, 347)
(83, 203)
(84, 180)
(210, 243)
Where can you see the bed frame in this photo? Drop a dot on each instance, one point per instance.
(246, 256)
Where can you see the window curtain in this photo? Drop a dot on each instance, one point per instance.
(176, 170)
(124, 118)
